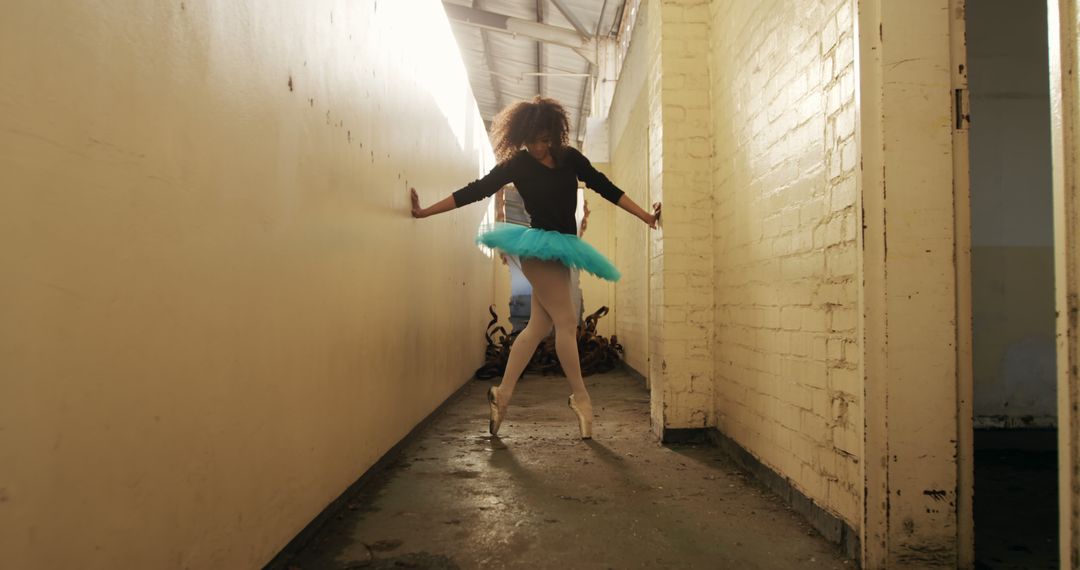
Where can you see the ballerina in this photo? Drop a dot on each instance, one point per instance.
(545, 173)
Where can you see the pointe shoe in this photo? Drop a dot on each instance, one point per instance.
(584, 423)
(496, 411)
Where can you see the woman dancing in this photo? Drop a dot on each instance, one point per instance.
(545, 173)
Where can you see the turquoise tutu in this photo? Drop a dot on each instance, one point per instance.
(543, 244)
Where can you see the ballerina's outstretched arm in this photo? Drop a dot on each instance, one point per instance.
(597, 181)
(630, 206)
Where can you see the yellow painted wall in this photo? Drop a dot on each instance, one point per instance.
(629, 137)
(599, 233)
(217, 313)
(786, 354)
(501, 295)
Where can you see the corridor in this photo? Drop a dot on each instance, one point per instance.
(538, 497)
(221, 318)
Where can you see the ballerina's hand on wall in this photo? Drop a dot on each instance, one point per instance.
(444, 205)
(417, 211)
(655, 216)
(628, 204)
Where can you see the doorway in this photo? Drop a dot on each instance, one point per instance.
(1012, 259)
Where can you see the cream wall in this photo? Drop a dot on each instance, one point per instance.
(786, 354)
(628, 123)
(600, 234)
(217, 313)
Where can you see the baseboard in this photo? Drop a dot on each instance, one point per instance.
(283, 558)
(829, 525)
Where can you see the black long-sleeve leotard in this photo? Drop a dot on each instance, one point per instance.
(550, 194)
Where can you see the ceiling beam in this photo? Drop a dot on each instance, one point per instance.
(571, 17)
(582, 111)
(496, 84)
(586, 111)
(584, 46)
(600, 20)
(551, 69)
(616, 23)
(540, 51)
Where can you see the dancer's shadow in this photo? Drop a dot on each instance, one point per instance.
(524, 482)
(605, 454)
(504, 459)
(533, 483)
(618, 464)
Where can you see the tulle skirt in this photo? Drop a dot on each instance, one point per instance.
(544, 244)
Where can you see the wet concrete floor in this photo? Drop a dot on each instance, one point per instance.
(540, 497)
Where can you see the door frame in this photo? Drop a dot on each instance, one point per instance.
(1063, 22)
(915, 293)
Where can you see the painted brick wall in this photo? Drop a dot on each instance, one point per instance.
(660, 152)
(787, 386)
(629, 136)
(682, 319)
(655, 135)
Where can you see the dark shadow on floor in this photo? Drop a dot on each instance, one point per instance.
(1016, 499)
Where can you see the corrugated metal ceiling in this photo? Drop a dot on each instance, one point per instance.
(505, 67)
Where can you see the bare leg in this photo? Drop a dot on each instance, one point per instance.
(551, 285)
(522, 350)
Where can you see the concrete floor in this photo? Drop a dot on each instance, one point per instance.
(539, 497)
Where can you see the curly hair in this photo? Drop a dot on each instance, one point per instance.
(523, 121)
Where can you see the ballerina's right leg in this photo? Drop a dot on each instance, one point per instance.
(522, 350)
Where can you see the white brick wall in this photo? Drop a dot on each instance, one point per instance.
(786, 353)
